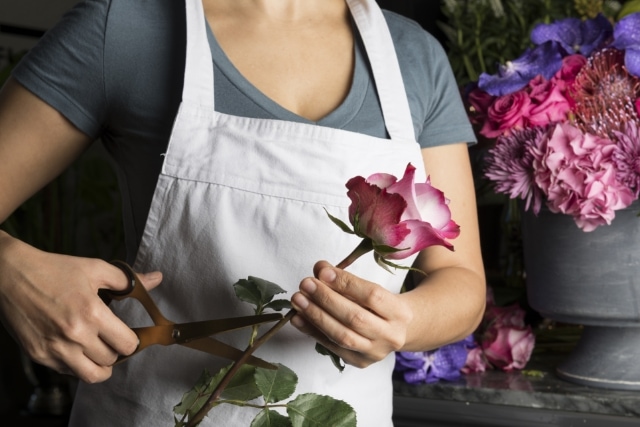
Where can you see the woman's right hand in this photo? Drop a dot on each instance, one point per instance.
(50, 304)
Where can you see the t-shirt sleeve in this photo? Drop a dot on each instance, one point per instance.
(446, 120)
(434, 96)
(65, 67)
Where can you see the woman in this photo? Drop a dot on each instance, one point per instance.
(226, 161)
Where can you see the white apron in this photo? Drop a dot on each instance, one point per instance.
(241, 196)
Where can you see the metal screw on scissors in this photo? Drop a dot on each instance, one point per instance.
(196, 335)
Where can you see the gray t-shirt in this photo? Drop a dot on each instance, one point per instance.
(115, 69)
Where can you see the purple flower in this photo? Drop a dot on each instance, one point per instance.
(626, 36)
(444, 363)
(626, 157)
(544, 60)
(509, 164)
(574, 34)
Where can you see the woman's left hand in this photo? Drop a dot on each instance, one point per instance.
(358, 320)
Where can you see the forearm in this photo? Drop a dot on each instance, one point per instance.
(447, 305)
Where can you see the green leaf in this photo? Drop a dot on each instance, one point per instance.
(279, 304)
(270, 418)
(335, 359)
(243, 385)
(628, 8)
(344, 227)
(313, 410)
(276, 385)
(194, 399)
(256, 291)
(385, 249)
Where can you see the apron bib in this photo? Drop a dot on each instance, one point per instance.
(241, 196)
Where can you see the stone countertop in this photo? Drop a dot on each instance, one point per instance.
(536, 387)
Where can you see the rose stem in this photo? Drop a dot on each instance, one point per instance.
(365, 246)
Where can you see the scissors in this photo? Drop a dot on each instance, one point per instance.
(194, 335)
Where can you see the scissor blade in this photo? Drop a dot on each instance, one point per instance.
(218, 348)
(181, 333)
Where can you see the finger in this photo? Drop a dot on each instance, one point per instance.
(363, 292)
(86, 370)
(350, 357)
(346, 327)
(112, 277)
(150, 280)
(329, 304)
(111, 332)
(101, 353)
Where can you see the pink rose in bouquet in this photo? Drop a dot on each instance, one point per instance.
(506, 113)
(566, 76)
(548, 102)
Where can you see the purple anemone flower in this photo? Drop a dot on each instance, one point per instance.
(574, 34)
(626, 36)
(545, 60)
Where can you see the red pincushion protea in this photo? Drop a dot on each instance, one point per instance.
(605, 94)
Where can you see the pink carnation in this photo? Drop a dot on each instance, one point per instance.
(577, 174)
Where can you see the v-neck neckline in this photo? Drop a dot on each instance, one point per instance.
(337, 118)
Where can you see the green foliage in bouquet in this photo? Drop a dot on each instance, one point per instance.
(483, 33)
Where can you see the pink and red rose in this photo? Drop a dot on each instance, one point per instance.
(400, 214)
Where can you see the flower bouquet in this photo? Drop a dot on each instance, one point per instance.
(565, 119)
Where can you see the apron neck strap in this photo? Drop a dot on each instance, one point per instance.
(198, 82)
(386, 69)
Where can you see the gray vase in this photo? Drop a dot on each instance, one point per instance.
(590, 279)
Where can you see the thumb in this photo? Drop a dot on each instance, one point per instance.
(151, 279)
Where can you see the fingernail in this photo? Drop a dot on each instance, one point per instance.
(300, 301)
(327, 275)
(308, 286)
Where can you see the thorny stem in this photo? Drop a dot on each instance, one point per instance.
(366, 245)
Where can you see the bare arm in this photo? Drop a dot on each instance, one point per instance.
(363, 323)
(49, 302)
(448, 304)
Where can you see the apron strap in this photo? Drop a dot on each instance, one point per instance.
(386, 69)
(198, 74)
(198, 82)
